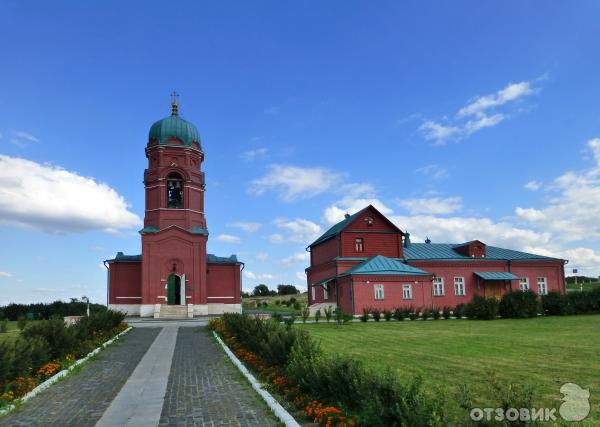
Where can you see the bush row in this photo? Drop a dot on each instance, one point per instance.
(46, 311)
(556, 304)
(50, 340)
(371, 398)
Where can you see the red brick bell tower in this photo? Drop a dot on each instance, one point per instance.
(174, 234)
(174, 276)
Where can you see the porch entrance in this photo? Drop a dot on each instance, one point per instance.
(173, 290)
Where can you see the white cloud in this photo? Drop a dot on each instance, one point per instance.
(463, 229)
(228, 238)
(297, 258)
(262, 256)
(435, 131)
(298, 230)
(295, 183)
(266, 276)
(26, 136)
(56, 200)
(433, 171)
(301, 275)
(276, 238)
(572, 212)
(533, 185)
(5, 274)
(433, 205)
(249, 275)
(511, 92)
(476, 115)
(336, 212)
(250, 227)
(254, 154)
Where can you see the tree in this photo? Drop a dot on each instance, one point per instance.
(261, 291)
(287, 289)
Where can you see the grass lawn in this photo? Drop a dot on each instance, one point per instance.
(250, 304)
(586, 286)
(11, 333)
(543, 352)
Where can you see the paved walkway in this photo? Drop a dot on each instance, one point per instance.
(171, 376)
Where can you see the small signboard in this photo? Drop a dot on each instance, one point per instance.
(575, 271)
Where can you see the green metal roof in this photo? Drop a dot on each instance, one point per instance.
(174, 126)
(384, 265)
(336, 229)
(496, 275)
(446, 251)
(120, 257)
(213, 259)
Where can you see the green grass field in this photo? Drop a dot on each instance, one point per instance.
(543, 353)
(586, 286)
(250, 304)
(11, 333)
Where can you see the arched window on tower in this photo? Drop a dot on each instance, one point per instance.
(174, 191)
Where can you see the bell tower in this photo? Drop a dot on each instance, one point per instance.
(174, 235)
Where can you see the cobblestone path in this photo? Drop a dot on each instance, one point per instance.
(81, 399)
(205, 389)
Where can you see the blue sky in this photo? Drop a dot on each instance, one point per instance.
(459, 120)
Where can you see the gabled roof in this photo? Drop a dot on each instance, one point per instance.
(446, 251)
(496, 275)
(380, 264)
(340, 226)
(120, 257)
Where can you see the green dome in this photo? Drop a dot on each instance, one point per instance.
(174, 126)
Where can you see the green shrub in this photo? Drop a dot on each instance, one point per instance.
(365, 316)
(519, 304)
(21, 322)
(265, 304)
(387, 315)
(292, 300)
(60, 339)
(328, 313)
(277, 302)
(436, 314)
(481, 308)
(6, 359)
(413, 314)
(317, 315)
(376, 313)
(459, 311)
(446, 312)
(425, 313)
(3, 325)
(297, 306)
(554, 304)
(399, 314)
(289, 321)
(277, 317)
(341, 317)
(305, 314)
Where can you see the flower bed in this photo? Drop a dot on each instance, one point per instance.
(49, 346)
(330, 391)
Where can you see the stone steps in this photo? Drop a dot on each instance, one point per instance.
(173, 312)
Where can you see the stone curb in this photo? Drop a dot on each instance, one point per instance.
(43, 386)
(283, 415)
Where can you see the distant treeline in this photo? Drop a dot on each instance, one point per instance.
(581, 279)
(47, 310)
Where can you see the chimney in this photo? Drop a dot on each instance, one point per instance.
(406, 239)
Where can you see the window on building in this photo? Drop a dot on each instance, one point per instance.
(438, 286)
(524, 284)
(379, 292)
(359, 244)
(542, 285)
(174, 191)
(459, 286)
(325, 292)
(407, 291)
(313, 292)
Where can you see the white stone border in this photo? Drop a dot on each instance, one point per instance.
(43, 386)
(279, 410)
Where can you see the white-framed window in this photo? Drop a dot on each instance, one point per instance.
(459, 286)
(325, 292)
(359, 244)
(313, 292)
(407, 291)
(378, 292)
(542, 283)
(438, 286)
(524, 284)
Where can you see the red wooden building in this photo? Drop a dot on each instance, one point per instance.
(366, 261)
(174, 276)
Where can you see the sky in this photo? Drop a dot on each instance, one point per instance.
(459, 120)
